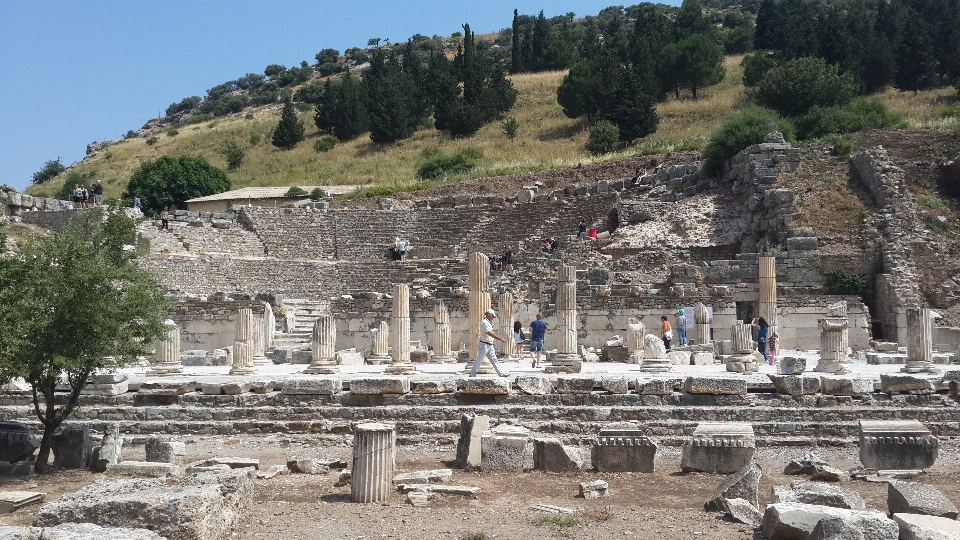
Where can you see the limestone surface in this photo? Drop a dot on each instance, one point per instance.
(917, 498)
(819, 493)
(791, 365)
(718, 447)
(795, 521)
(552, 456)
(742, 510)
(593, 489)
(324, 386)
(534, 385)
(504, 448)
(575, 385)
(143, 469)
(436, 476)
(472, 428)
(499, 386)
(920, 527)
(622, 447)
(795, 385)
(834, 529)
(379, 385)
(77, 531)
(715, 385)
(743, 484)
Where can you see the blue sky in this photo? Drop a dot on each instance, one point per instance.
(77, 71)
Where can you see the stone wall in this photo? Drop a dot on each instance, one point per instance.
(14, 204)
(209, 324)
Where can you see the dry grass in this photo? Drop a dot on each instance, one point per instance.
(546, 140)
(924, 110)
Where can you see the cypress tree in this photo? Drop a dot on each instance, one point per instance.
(290, 130)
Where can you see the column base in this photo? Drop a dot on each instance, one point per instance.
(242, 371)
(400, 369)
(260, 360)
(836, 367)
(656, 365)
(159, 371)
(442, 359)
(919, 367)
(322, 369)
(379, 360)
(564, 363)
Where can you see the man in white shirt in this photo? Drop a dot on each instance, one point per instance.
(485, 345)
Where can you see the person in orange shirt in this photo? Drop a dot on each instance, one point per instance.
(666, 333)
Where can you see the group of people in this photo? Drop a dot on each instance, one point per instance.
(767, 342)
(585, 232)
(398, 251)
(82, 196)
(486, 335)
(502, 260)
(549, 245)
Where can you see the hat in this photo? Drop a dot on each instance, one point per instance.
(491, 312)
(680, 311)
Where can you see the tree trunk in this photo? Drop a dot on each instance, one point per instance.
(44, 455)
(694, 88)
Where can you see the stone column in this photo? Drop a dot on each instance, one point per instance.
(919, 342)
(323, 347)
(567, 359)
(478, 302)
(259, 340)
(269, 326)
(380, 351)
(768, 290)
(701, 328)
(505, 316)
(243, 344)
(833, 340)
(401, 331)
(167, 352)
(635, 332)
(741, 343)
(374, 454)
(441, 338)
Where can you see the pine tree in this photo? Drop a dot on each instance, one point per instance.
(290, 130)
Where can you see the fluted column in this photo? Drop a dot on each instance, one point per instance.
(374, 454)
(919, 342)
(833, 340)
(380, 347)
(701, 328)
(401, 331)
(567, 359)
(167, 356)
(505, 316)
(323, 347)
(768, 290)
(478, 302)
(243, 344)
(441, 337)
(635, 332)
(269, 326)
(259, 340)
(741, 342)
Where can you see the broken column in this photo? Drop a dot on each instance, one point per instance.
(919, 342)
(654, 355)
(701, 328)
(322, 347)
(567, 359)
(505, 316)
(768, 292)
(833, 340)
(380, 352)
(243, 344)
(635, 332)
(374, 453)
(478, 301)
(259, 340)
(401, 331)
(441, 337)
(741, 343)
(269, 326)
(167, 355)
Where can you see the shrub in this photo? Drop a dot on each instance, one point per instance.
(846, 282)
(325, 144)
(472, 152)
(295, 191)
(200, 118)
(801, 84)
(254, 139)
(510, 127)
(443, 165)
(858, 115)
(152, 140)
(317, 194)
(172, 132)
(604, 138)
(130, 134)
(929, 201)
(755, 66)
(841, 146)
(738, 132)
(234, 154)
(474, 536)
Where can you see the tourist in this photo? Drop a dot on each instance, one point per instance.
(666, 334)
(553, 244)
(84, 196)
(495, 262)
(485, 344)
(518, 339)
(395, 250)
(761, 325)
(538, 329)
(681, 328)
(582, 231)
(592, 233)
(506, 259)
(137, 205)
(772, 344)
(76, 196)
(98, 193)
(402, 248)
(165, 219)
(545, 246)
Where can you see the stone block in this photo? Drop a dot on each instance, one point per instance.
(795, 385)
(702, 359)
(211, 389)
(715, 385)
(552, 456)
(472, 428)
(795, 521)
(236, 388)
(897, 444)
(303, 465)
(442, 386)
(791, 365)
(886, 346)
(322, 386)
(894, 383)
(819, 493)
(593, 489)
(77, 531)
(622, 447)
(445, 489)
(201, 507)
(615, 384)
(679, 358)
(167, 388)
(575, 385)
(163, 451)
(916, 498)
(919, 527)
(534, 385)
(487, 386)
(271, 471)
(378, 386)
(436, 476)
(20, 468)
(743, 511)
(720, 447)
(801, 244)
(835, 528)
(419, 356)
(261, 387)
(11, 501)
(656, 387)
(72, 448)
(143, 469)
(301, 357)
(17, 443)
(109, 451)
(236, 462)
(503, 448)
(845, 386)
(743, 484)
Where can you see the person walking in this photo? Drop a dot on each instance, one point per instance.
(773, 344)
(681, 321)
(761, 325)
(98, 193)
(666, 334)
(518, 339)
(582, 231)
(165, 219)
(538, 330)
(485, 344)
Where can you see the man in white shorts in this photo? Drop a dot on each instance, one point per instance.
(485, 345)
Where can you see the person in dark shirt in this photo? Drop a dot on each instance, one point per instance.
(538, 330)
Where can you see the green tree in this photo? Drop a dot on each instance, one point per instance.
(695, 62)
(327, 56)
(755, 66)
(290, 130)
(342, 111)
(72, 180)
(738, 132)
(393, 102)
(509, 127)
(50, 169)
(171, 181)
(234, 154)
(72, 304)
(794, 87)
(604, 138)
